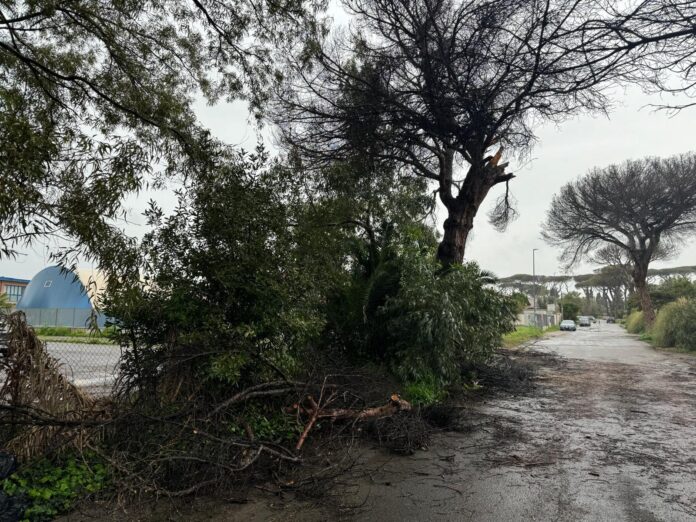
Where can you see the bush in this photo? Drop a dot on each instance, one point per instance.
(663, 329)
(675, 325)
(635, 323)
(438, 322)
(221, 273)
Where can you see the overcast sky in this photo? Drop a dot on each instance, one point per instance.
(566, 152)
(562, 153)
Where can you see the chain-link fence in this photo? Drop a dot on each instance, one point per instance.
(88, 361)
(91, 364)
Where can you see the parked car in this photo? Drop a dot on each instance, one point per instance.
(593, 320)
(567, 325)
(610, 320)
(584, 321)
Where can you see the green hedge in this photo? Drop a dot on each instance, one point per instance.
(675, 325)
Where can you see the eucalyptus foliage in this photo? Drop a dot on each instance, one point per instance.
(437, 321)
(96, 101)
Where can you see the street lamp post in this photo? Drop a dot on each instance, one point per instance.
(534, 282)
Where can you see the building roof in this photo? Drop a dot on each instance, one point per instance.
(54, 287)
(14, 280)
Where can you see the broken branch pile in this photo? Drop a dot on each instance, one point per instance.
(166, 442)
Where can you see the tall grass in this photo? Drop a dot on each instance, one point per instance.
(635, 323)
(675, 325)
(65, 331)
(521, 335)
(663, 329)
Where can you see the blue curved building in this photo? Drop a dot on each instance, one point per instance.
(59, 297)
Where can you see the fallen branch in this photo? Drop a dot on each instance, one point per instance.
(312, 419)
(395, 405)
(266, 389)
(315, 412)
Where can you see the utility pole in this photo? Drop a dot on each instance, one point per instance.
(534, 251)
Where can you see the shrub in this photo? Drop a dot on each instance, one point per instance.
(663, 329)
(439, 321)
(635, 323)
(675, 325)
(220, 272)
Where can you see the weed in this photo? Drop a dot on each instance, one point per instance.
(424, 393)
(52, 488)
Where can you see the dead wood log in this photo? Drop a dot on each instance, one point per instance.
(395, 405)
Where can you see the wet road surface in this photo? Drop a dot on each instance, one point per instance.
(608, 435)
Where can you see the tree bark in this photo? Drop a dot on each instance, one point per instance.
(640, 276)
(462, 210)
(457, 226)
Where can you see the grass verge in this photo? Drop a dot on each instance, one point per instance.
(521, 335)
(64, 331)
(75, 340)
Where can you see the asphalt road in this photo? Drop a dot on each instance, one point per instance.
(608, 435)
(87, 365)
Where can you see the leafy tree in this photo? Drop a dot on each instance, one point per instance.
(95, 102)
(671, 289)
(608, 285)
(232, 294)
(639, 206)
(521, 301)
(440, 83)
(571, 304)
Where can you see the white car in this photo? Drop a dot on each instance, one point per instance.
(567, 325)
